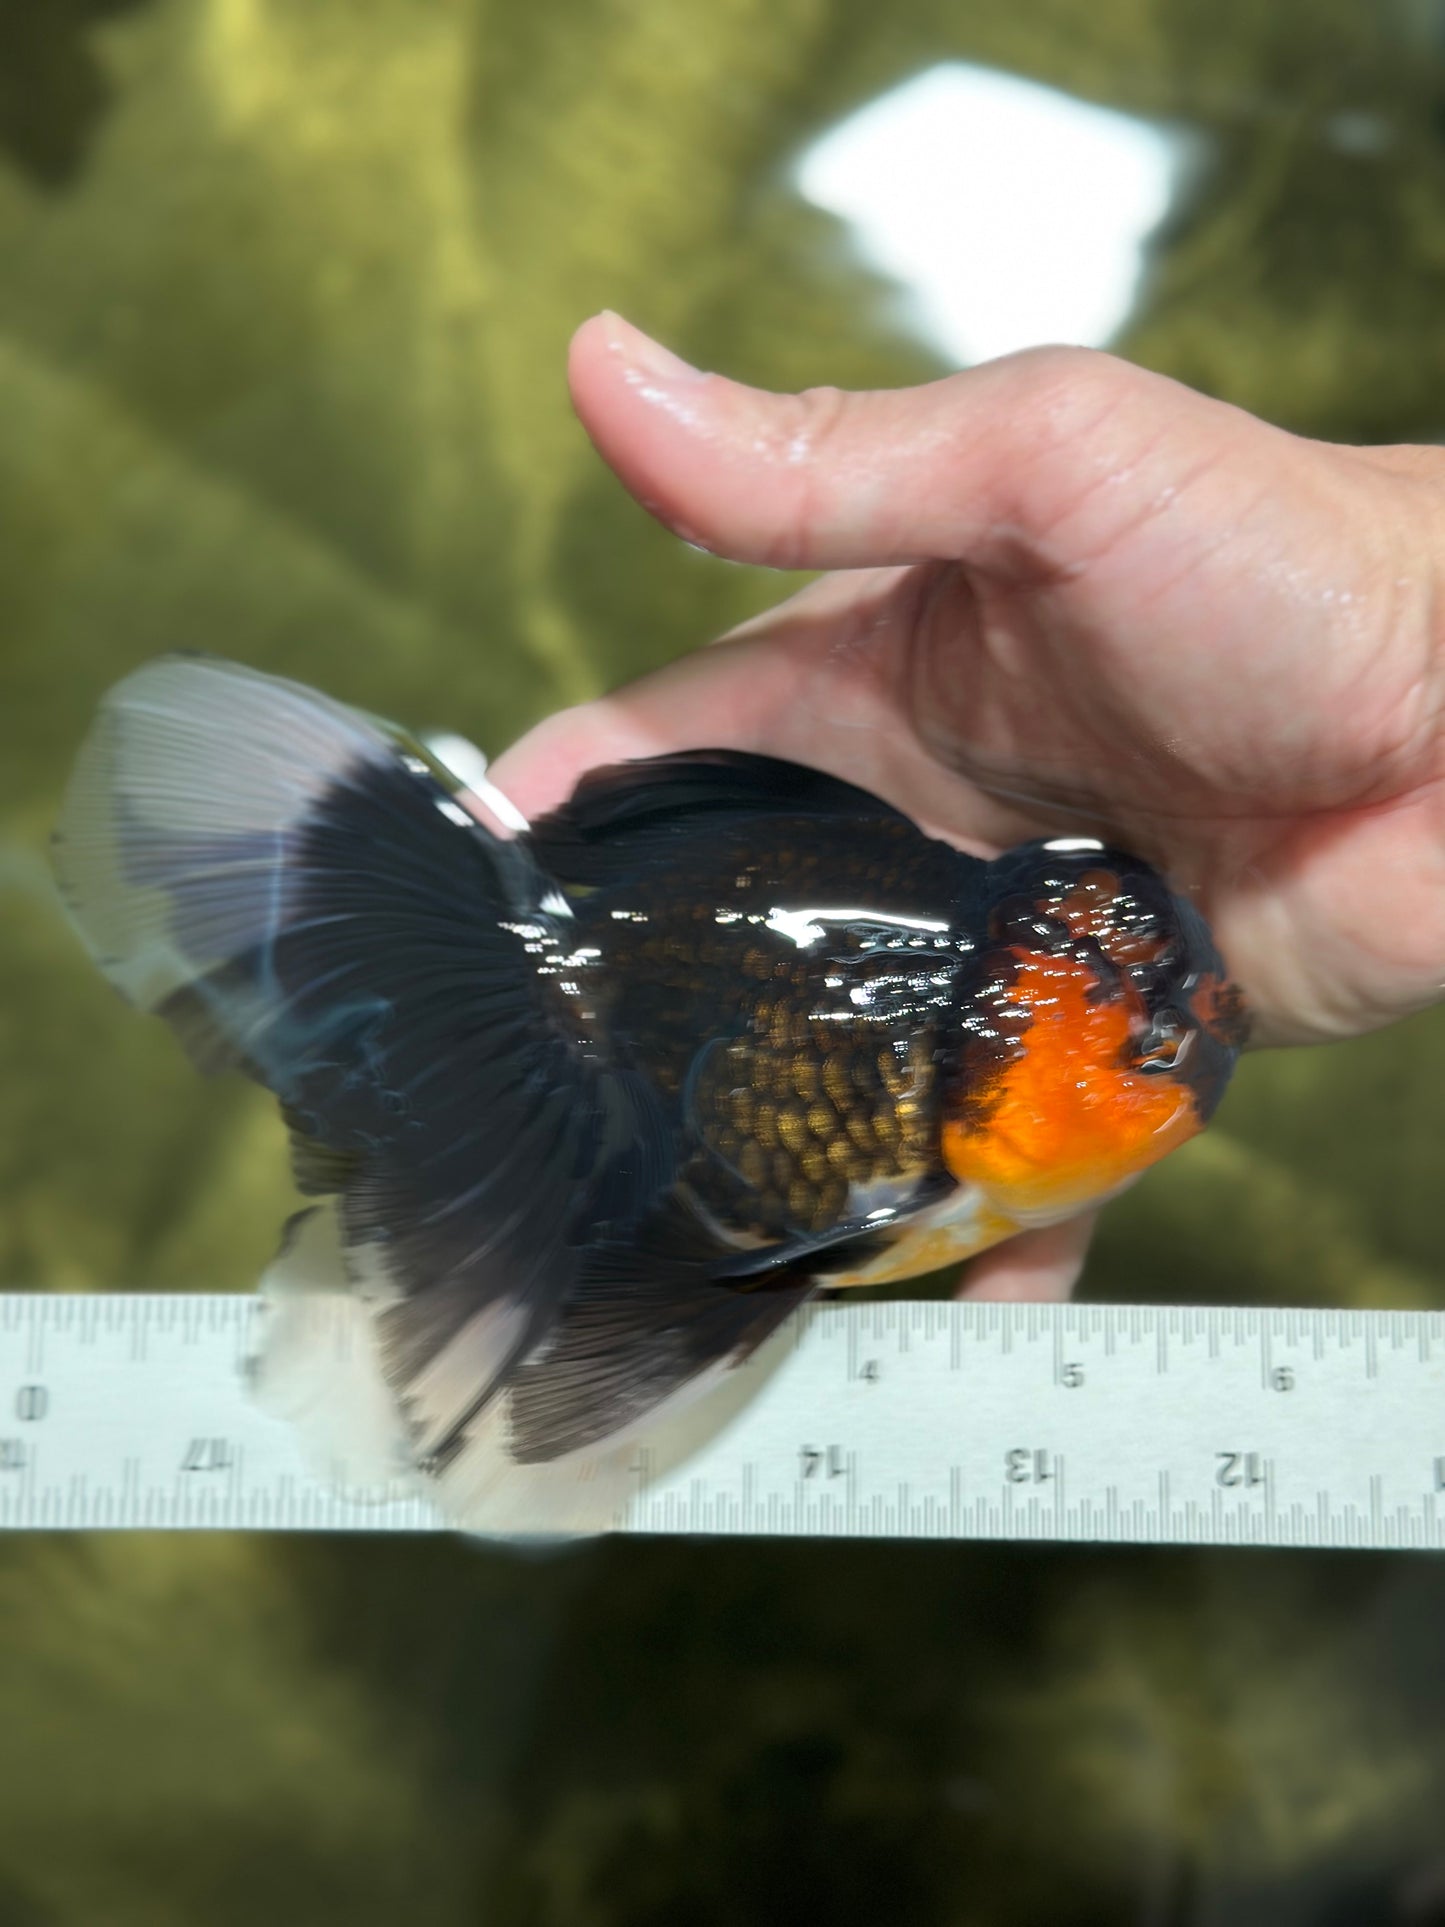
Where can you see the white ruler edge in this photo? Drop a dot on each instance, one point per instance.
(1150, 1424)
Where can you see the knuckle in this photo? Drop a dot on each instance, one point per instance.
(1074, 414)
(820, 415)
(797, 443)
(1066, 390)
(803, 424)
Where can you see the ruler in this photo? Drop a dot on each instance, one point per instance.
(1182, 1425)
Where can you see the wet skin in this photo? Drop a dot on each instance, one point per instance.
(1070, 595)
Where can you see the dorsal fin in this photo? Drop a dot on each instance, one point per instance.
(625, 812)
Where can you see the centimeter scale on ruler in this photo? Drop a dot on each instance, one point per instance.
(1164, 1424)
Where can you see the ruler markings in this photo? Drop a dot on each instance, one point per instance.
(1193, 1425)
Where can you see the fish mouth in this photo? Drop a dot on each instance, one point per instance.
(1218, 1006)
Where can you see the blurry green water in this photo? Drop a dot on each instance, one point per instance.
(285, 292)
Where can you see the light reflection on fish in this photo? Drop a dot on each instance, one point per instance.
(592, 1106)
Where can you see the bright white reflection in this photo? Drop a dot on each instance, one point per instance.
(1012, 213)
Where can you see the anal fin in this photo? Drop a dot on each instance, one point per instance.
(633, 1334)
(646, 1352)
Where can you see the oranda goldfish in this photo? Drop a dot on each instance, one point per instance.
(593, 1104)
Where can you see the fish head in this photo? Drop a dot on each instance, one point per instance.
(1097, 1029)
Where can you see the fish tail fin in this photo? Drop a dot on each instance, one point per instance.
(215, 811)
(295, 888)
(316, 1363)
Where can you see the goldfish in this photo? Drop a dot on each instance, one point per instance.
(586, 1108)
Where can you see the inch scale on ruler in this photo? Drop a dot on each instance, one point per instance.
(1189, 1425)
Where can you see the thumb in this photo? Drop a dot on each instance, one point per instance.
(989, 465)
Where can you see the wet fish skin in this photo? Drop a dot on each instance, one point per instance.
(592, 1106)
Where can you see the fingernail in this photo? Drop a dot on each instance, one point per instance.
(649, 357)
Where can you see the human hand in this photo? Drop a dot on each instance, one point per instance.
(1069, 596)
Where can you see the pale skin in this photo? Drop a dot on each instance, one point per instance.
(1064, 595)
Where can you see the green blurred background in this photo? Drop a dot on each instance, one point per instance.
(285, 291)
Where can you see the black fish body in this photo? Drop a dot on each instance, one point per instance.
(592, 1107)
